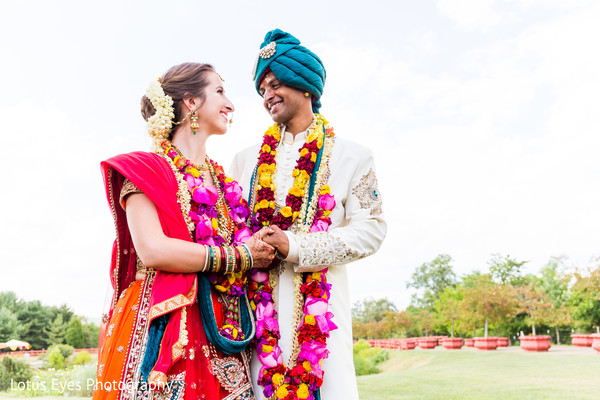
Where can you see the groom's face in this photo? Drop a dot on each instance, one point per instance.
(281, 101)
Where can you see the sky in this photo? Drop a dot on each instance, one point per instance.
(483, 116)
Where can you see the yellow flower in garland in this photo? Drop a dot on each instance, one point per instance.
(266, 169)
(300, 175)
(265, 180)
(297, 192)
(320, 142)
(282, 392)
(286, 211)
(313, 136)
(302, 392)
(267, 349)
(263, 204)
(277, 378)
(306, 365)
(274, 131)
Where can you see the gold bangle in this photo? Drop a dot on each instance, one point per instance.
(243, 259)
(230, 260)
(216, 259)
(250, 259)
(242, 266)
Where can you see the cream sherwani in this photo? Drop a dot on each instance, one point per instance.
(357, 230)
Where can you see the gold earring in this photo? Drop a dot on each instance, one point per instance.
(194, 125)
(231, 121)
(306, 94)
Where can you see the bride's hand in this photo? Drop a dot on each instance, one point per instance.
(262, 253)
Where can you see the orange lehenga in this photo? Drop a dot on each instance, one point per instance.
(195, 368)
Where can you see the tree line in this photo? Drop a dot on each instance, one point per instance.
(502, 302)
(44, 326)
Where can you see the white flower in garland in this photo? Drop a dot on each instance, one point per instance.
(159, 125)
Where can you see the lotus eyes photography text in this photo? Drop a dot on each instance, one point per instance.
(57, 385)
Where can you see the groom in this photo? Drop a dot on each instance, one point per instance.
(319, 193)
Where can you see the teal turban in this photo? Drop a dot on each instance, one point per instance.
(292, 64)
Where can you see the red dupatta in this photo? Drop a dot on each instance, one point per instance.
(170, 292)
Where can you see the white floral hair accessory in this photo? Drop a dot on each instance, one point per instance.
(159, 125)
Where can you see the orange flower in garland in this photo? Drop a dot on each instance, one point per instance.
(265, 194)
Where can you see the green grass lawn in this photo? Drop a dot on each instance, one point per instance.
(565, 372)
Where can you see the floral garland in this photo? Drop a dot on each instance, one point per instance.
(159, 125)
(265, 201)
(304, 375)
(217, 219)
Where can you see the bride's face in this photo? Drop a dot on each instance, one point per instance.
(215, 111)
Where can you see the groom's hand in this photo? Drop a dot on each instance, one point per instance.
(279, 240)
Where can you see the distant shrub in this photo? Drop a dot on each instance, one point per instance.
(81, 376)
(81, 358)
(54, 357)
(360, 346)
(366, 358)
(65, 350)
(15, 370)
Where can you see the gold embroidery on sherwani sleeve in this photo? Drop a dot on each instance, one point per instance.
(323, 248)
(368, 194)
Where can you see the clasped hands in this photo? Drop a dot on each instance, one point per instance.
(266, 244)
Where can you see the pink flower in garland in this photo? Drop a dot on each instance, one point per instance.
(204, 228)
(267, 324)
(264, 310)
(205, 195)
(319, 226)
(315, 306)
(259, 276)
(242, 235)
(313, 353)
(326, 202)
(239, 214)
(271, 359)
(233, 192)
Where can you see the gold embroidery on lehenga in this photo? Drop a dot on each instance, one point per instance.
(368, 193)
(232, 374)
(174, 389)
(229, 371)
(138, 341)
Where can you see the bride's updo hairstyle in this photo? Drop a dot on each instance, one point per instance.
(183, 80)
